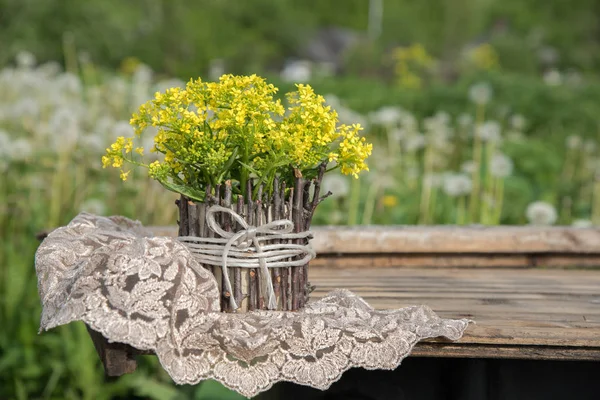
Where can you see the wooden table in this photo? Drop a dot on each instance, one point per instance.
(543, 314)
(534, 294)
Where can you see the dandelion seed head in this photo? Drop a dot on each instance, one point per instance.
(501, 166)
(26, 107)
(49, 69)
(465, 120)
(553, 78)
(21, 149)
(297, 71)
(414, 143)
(69, 84)
(142, 74)
(433, 180)
(541, 213)
(573, 142)
(480, 93)
(25, 60)
(490, 131)
(386, 116)
(468, 167)
(456, 185)
(518, 122)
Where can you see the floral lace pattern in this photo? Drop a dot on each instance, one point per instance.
(150, 293)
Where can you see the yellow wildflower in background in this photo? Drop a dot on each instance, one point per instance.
(411, 63)
(390, 201)
(483, 57)
(210, 132)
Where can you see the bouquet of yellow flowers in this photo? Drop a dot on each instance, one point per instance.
(230, 148)
(234, 130)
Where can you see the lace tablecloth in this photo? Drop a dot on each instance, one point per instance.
(150, 293)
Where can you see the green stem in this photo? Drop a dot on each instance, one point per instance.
(370, 203)
(477, 150)
(354, 202)
(244, 174)
(461, 211)
(426, 188)
(488, 185)
(596, 204)
(499, 200)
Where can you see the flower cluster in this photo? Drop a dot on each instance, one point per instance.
(235, 129)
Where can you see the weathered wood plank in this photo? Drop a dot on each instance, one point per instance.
(117, 358)
(478, 260)
(559, 353)
(518, 313)
(450, 247)
(448, 239)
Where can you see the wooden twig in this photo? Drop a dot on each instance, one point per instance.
(285, 298)
(193, 228)
(259, 220)
(237, 272)
(276, 215)
(297, 218)
(252, 301)
(316, 193)
(226, 223)
(183, 216)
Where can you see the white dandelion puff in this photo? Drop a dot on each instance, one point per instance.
(553, 78)
(415, 143)
(573, 142)
(297, 71)
(490, 131)
(465, 120)
(480, 93)
(541, 213)
(518, 122)
(25, 59)
(21, 149)
(501, 166)
(386, 116)
(456, 185)
(468, 167)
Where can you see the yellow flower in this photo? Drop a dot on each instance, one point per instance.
(390, 200)
(227, 129)
(124, 175)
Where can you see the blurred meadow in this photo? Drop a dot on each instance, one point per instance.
(480, 111)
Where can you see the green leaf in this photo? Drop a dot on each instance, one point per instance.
(228, 165)
(249, 168)
(187, 191)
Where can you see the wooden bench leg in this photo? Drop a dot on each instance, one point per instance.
(117, 358)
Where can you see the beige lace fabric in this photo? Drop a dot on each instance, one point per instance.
(150, 293)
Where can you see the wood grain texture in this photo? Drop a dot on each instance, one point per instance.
(117, 358)
(529, 314)
(447, 239)
(439, 260)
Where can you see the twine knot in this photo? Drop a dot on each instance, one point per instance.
(241, 244)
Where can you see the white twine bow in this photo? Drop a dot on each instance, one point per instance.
(240, 245)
